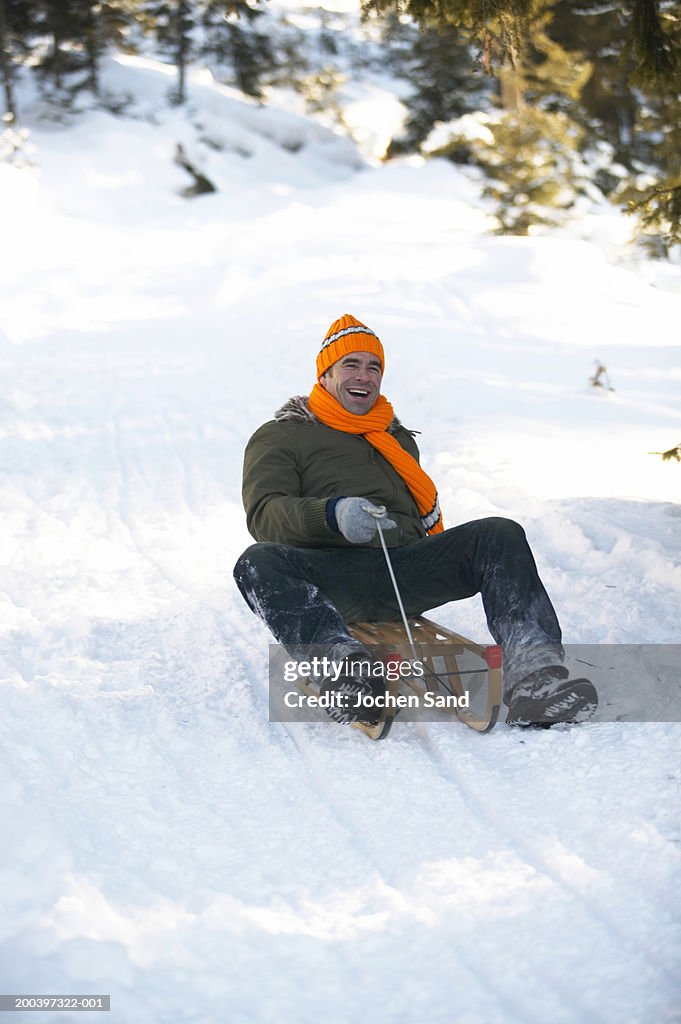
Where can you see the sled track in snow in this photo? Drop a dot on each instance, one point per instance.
(131, 473)
(354, 824)
(479, 794)
(481, 808)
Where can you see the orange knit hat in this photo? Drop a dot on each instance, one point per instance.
(344, 336)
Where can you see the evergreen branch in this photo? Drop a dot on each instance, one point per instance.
(659, 208)
(671, 453)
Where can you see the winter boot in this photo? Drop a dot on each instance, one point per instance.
(548, 698)
(347, 697)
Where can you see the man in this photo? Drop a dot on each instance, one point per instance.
(314, 476)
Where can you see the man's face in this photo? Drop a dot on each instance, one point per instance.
(355, 381)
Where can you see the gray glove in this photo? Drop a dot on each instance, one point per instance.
(355, 523)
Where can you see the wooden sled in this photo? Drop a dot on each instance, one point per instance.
(440, 650)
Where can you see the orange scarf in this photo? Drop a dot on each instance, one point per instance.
(374, 427)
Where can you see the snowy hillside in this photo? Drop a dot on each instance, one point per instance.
(162, 841)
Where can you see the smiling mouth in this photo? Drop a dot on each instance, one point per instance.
(358, 392)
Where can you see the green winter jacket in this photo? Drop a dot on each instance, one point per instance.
(295, 463)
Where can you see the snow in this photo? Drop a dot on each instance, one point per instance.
(469, 127)
(162, 841)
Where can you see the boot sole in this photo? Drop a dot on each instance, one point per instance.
(571, 706)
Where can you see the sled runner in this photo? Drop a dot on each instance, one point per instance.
(442, 653)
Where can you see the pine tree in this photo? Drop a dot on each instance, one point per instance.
(106, 24)
(55, 19)
(437, 65)
(658, 208)
(79, 31)
(657, 203)
(531, 168)
(502, 26)
(609, 101)
(172, 24)
(232, 39)
(529, 149)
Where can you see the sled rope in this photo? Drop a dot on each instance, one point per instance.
(379, 514)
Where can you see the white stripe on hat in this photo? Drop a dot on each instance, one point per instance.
(359, 329)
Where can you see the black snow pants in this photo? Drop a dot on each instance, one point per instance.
(308, 595)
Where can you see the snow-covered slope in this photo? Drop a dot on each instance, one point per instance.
(162, 841)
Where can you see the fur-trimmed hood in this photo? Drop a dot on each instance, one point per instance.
(297, 409)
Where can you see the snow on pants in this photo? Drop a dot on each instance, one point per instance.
(307, 595)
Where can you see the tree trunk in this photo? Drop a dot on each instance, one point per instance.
(511, 89)
(92, 50)
(55, 29)
(6, 68)
(182, 50)
(511, 82)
